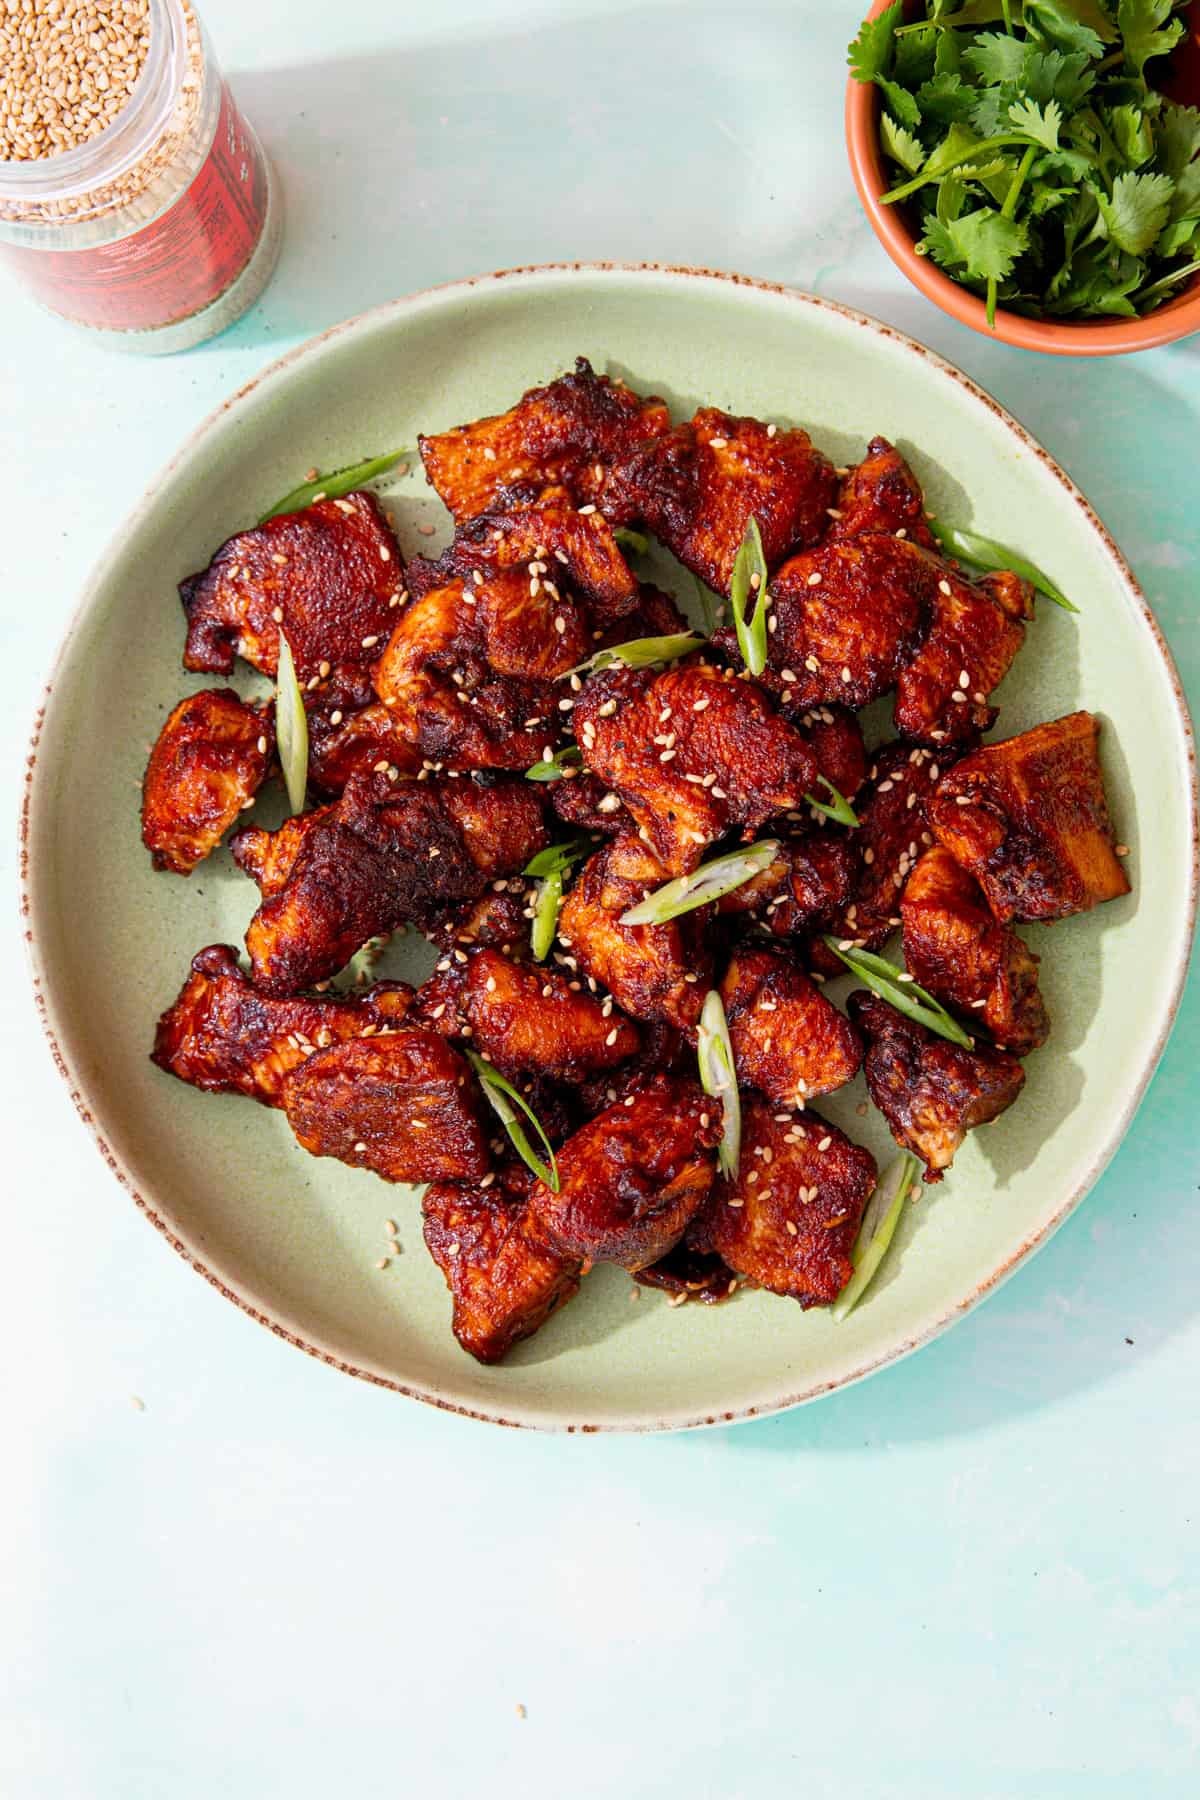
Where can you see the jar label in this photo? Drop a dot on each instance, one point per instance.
(174, 266)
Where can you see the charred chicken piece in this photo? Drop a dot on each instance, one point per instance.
(881, 493)
(942, 692)
(504, 1282)
(955, 948)
(930, 1091)
(834, 736)
(806, 888)
(790, 1221)
(892, 836)
(403, 1105)
(633, 1177)
(565, 543)
(654, 972)
(691, 752)
(848, 616)
(526, 1019)
(698, 487)
(566, 434)
(694, 1274)
(788, 1039)
(351, 731)
(329, 577)
(498, 920)
(212, 756)
(588, 804)
(226, 1037)
(387, 853)
(1028, 818)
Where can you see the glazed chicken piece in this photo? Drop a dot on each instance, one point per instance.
(526, 1019)
(566, 434)
(806, 888)
(586, 803)
(226, 1037)
(693, 1274)
(788, 1039)
(632, 1177)
(834, 736)
(497, 919)
(847, 618)
(212, 756)
(349, 731)
(403, 1105)
(329, 577)
(698, 487)
(387, 853)
(654, 972)
(790, 1220)
(929, 1090)
(942, 692)
(893, 834)
(955, 948)
(1028, 818)
(691, 752)
(566, 544)
(881, 493)
(504, 1283)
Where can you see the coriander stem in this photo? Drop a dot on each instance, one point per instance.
(1008, 25)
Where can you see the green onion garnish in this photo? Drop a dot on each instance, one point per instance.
(291, 727)
(502, 1097)
(545, 915)
(985, 553)
(902, 992)
(553, 768)
(704, 885)
(334, 485)
(750, 578)
(839, 808)
(714, 1052)
(557, 857)
(876, 1232)
(639, 653)
(635, 541)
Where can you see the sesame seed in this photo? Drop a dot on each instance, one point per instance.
(369, 643)
(1122, 849)
(976, 1004)
(791, 1229)
(343, 506)
(846, 676)
(385, 554)
(360, 1149)
(586, 511)
(814, 579)
(811, 664)
(384, 1262)
(277, 615)
(717, 443)
(962, 799)
(902, 532)
(734, 1201)
(771, 430)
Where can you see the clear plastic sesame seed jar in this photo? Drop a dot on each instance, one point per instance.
(161, 228)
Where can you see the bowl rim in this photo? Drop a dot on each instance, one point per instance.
(1167, 324)
(37, 810)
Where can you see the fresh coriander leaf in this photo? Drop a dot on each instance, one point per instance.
(900, 145)
(1133, 134)
(946, 99)
(1161, 290)
(915, 56)
(1041, 123)
(947, 59)
(995, 58)
(979, 12)
(990, 112)
(1177, 237)
(1186, 204)
(988, 243)
(1137, 211)
(1178, 134)
(870, 55)
(900, 103)
(1052, 75)
(1148, 28)
(938, 243)
(1069, 24)
(1047, 200)
(1063, 165)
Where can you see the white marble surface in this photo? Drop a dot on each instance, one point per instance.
(973, 1576)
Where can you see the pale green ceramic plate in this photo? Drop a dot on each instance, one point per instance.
(295, 1241)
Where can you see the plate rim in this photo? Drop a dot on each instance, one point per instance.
(35, 803)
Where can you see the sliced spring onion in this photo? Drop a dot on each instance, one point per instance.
(751, 628)
(639, 653)
(876, 1232)
(557, 857)
(504, 1099)
(985, 553)
(334, 485)
(889, 982)
(291, 727)
(839, 808)
(553, 768)
(635, 541)
(704, 885)
(714, 1052)
(545, 915)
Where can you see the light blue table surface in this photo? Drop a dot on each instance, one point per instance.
(976, 1574)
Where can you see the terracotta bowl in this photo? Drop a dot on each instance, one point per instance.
(873, 176)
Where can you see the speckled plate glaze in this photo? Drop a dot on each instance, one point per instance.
(295, 1241)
